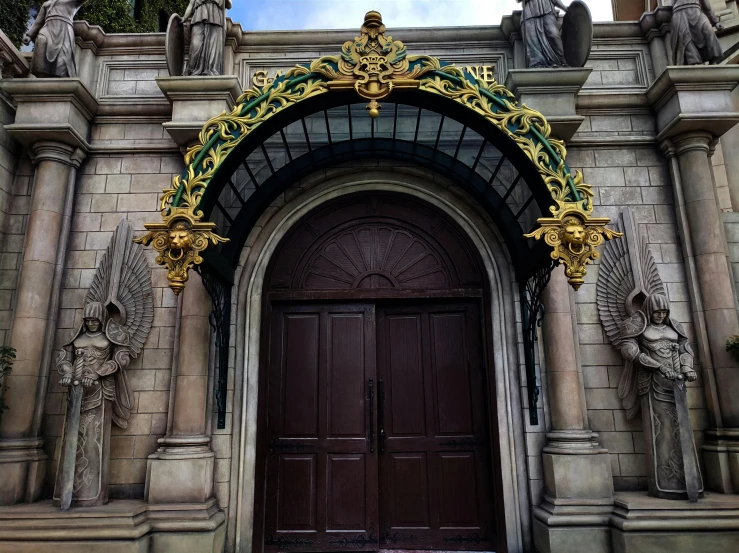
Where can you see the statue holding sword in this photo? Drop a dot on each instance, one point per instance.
(116, 320)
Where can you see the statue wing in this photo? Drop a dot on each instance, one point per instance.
(134, 292)
(651, 280)
(123, 284)
(616, 282)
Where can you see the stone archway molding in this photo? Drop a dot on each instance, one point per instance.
(374, 65)
(500, 320)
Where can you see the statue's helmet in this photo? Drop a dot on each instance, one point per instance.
(656, 302)
(95, 310)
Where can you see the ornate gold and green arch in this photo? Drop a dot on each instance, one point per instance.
(374, 65)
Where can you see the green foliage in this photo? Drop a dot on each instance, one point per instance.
(732, 345)
(7, 356)
(116, 16)
(14, 18)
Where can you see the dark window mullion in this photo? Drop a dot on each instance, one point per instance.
(328, 128)
(305, 132)
(224, 213)
(287, 146)
(527, 204)
(513, 185)
(479, 154)
(495, 172)
(266, 156)
(438, 134)
(251, 175)
(236, 192)
(459, 143)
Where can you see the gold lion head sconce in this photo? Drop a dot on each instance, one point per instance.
(573, 235)
(180, 239)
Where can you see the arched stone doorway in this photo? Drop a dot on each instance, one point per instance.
(492, 289)
(375, 395)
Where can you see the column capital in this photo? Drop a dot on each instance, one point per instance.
(694, 98)
(49, 150)
(695, 140)
(553, 92)
(195, 100)
(57, 110)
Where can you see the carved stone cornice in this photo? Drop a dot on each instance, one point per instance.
(553, 92)
(57, 110)
(694, 98)
(194, 101)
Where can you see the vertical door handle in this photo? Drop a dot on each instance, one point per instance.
(371, 402)
(381, 413)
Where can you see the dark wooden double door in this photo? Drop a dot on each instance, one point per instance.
(378, 433)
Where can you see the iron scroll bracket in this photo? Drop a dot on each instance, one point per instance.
(532, 312)
(220, 323)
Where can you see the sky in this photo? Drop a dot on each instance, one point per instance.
(349, 14)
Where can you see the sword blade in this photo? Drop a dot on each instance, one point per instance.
(71, 436)
(690, 465)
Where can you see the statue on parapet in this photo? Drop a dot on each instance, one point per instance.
(53, 34)
(549, 45)
(207, 36)
(694, 41)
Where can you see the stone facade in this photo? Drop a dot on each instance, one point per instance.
(135, 147)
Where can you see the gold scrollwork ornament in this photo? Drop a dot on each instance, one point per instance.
(179, 240)
(573, 235)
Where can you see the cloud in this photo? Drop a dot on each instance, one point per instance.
(349, 14)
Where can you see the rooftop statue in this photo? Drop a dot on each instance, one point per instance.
(658, 362)
(693, 40)
(548, 45)
(207, 19)
(53, 33)
(117, 317)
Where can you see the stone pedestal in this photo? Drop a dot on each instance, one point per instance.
(643, 524)
(553, 93)
(694, 107)
(194, 101)
(181, 470)
(578, 484)
(52, 119)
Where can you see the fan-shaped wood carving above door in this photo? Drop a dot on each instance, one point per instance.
(376, 242)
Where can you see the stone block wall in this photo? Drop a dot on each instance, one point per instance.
(111, 188)
(15, 184)
(731, 227)
(638, 178)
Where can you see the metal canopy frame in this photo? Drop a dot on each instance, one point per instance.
(240, 190)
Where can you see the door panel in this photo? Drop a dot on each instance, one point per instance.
(321, 492)
(435, 485)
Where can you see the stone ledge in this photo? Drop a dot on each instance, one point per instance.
(43, 524)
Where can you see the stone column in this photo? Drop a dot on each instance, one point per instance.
(52, 120)
(578, 483)
(694, 108)
(181, 470)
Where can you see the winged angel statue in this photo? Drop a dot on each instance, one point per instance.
(117, 318)
(658, 361)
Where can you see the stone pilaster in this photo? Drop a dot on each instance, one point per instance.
(181, 470)
(577, 472)
(52, 119)
(694, 108)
